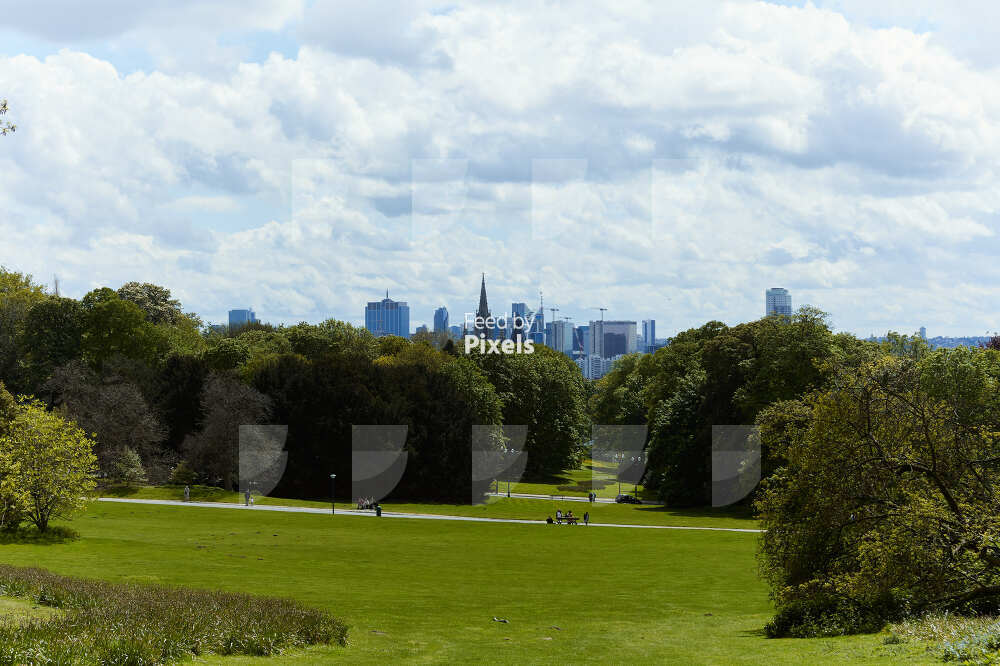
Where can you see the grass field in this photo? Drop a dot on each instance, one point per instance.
(427, 591)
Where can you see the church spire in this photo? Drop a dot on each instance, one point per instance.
(484, 309)
(483, 312)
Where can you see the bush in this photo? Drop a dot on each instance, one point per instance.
(822, 616)
(182, 475)
(111, 623)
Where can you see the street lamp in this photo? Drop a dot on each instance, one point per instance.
(333, 495)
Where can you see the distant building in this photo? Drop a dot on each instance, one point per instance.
(240, 318)
(593, 367)
(455, 331)
(586, 340)
(441, 319)
(612, 338)
(422, 329)
(479, 326)
(648, 334)
(778, 302)
(923, 332)
(580, 339)
(561, 336)
(388, 317)
(519, 317)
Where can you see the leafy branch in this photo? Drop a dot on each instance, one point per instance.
(5, 126)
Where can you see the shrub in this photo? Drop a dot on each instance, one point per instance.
(822, 616)
(112, 623)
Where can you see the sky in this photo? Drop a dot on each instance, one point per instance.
(663, 160)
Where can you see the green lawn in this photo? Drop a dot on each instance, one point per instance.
(426, 591)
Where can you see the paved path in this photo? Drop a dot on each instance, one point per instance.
(395, 514)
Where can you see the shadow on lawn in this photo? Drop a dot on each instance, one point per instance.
(31, 536)
(742, 512)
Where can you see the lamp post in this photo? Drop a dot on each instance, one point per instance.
(333, 495)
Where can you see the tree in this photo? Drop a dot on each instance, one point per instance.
(5, 126)
(544, 391)
(153, 300)
(227, 354)
(127, 467)
(52, 335)
(227, 403)
(18, 292)
(889, 499)
(50, 460)
(117, 327)
(12, 497)
(112, 408)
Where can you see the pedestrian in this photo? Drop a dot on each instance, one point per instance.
(187, 493)
(586, 517)
(559, 516)
(246, 496)
(549, 520)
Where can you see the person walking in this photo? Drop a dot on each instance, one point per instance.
(559, 516)
(246, 496)
(187, 493)
(586, 517)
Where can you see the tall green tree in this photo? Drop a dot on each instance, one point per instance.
(52, 335)
(18, 292)
(155, 301)
(117, 327)
(545, 392)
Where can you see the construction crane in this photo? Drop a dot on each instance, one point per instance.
(603, 310)
(553, 311)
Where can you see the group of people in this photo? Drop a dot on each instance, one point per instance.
(568, 517)
(367, 503)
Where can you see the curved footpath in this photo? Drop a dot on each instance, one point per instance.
(394, 514)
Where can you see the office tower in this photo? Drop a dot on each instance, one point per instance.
(422, 329)
(923, 332)
(778, 302)
(441, 319)
(613, 338)
(648, 335)
(581, 339)
(455, 331)
(561, 336)
(518, 324)
(240, 318)
(538, 329)
(388, 317)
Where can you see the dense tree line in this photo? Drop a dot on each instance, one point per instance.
(715, 375)
(165, 397)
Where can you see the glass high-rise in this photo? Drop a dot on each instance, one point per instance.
(778, 302)
(388, 317)
(240, 318)
(441, 320)
(648, 334)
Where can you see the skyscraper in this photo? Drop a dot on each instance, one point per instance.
(240, 318)
(388, 317)
(778, 302)
(648, 334)
(441, 320)
(612, 338)
(561, 336)
(516, 327)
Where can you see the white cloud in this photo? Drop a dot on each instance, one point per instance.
(817, 152)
